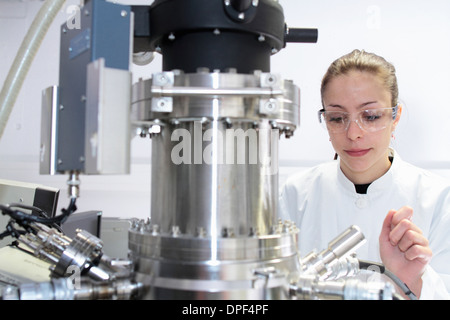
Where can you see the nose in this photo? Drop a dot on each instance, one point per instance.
(354, 130)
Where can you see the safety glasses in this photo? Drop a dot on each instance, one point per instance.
(369, 120)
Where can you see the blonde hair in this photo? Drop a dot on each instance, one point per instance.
(360, 60)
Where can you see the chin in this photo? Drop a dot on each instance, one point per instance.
(356, 165)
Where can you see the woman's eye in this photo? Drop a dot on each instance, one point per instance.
(335, 118)
(372, 117)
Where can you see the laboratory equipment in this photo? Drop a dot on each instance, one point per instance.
(215, 115)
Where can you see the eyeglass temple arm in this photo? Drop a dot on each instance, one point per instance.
(319, 113)
(394, 111)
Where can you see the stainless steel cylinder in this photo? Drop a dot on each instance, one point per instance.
(214, 231)
(225, 184)
(215, 158)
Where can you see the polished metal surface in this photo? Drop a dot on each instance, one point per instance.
(215, 158)
(338, 249)
(49, 125)
(216, 96)
(214, 230)
(187, 267)
(209, 191)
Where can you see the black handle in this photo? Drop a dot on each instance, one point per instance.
(308, 35)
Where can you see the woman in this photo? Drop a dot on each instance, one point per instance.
(403, 211)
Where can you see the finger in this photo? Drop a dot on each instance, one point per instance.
(419, 253)
(401, 214)
(411, 238)
(386, 227)
(398, 232)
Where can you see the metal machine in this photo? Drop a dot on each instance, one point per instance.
(215, 114)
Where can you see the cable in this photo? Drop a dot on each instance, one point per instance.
(37, 211)
(365, 265)
(32, 208)
(24, 219)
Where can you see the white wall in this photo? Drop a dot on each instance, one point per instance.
(413, 34)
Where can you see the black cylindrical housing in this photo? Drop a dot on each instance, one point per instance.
(219, 52)
(212, 34)
(215, 34)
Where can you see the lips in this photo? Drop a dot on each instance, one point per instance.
(357, 152)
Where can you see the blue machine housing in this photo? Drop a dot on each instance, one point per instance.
(104, 33)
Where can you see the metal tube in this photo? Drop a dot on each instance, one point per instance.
(201, 91)
(344, 244)
(340, 247)
(310, 288)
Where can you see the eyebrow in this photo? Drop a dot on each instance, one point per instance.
(365, 104)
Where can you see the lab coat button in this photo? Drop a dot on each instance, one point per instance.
(361, 203)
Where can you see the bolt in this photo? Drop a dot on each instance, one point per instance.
(202, 70)
(141, 226)
(175, 231)
(134, 223)
(274, 124)
(155, 229)
(271, 105)
(227, 122)
(231, 70)
(253, 232)
(161, 103)
(227, 233)
(201, 232)
(288, 132)
(161, 79)
(271, 79)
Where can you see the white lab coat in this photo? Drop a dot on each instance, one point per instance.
(323, 203)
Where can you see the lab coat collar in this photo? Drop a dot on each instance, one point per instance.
(375, 186)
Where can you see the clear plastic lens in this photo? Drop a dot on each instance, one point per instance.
(369, 120)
